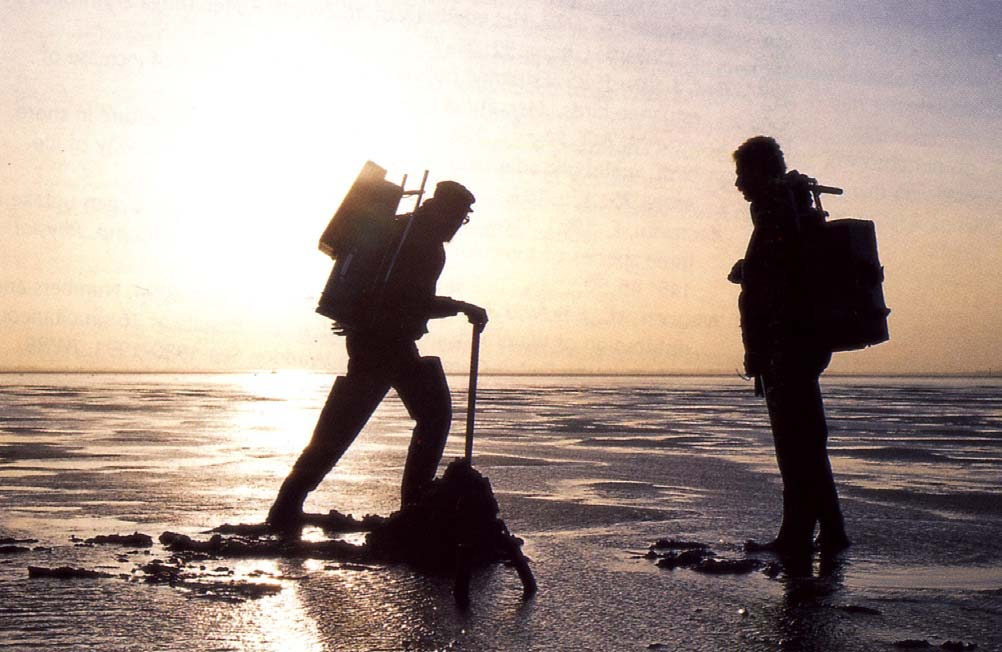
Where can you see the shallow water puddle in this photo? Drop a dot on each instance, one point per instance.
(977, 578)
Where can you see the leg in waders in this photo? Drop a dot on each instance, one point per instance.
(425, 393)
(351, 402)
(796, 411)
(794, 434)
(374, 365)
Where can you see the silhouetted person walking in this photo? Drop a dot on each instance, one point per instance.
(386, 355)
(784, 351)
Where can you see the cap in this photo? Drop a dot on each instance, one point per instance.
(451, 192)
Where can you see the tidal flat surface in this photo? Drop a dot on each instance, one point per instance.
(589, 471)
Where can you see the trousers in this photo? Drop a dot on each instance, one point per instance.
(800, 433)
(375, 364)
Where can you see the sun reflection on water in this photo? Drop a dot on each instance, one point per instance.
(281, 411)
(278, 622)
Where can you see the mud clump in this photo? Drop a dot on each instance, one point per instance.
(453, 528)
(239, 546)
(200, 584)
(456, 516)
(65, 573)
(334, 522)
(134, 540)
(13, 550)
(684, 559)
(696, 556)
(713, 566)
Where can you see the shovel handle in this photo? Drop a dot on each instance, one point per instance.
(471, 397)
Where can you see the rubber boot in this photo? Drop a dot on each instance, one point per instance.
(832, 537)
(426, 396)
(351, 402)
(286, 513)
(796, 420)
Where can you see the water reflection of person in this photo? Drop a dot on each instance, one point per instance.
(386, 355)
(807, 618)
(783, 351)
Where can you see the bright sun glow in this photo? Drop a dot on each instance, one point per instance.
(169, 172)
(267, 138)
(281, 413)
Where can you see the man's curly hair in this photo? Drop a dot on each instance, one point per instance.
(761, 152)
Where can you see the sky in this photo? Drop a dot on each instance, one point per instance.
(169, 166)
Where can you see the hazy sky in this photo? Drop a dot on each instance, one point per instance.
(168, 167)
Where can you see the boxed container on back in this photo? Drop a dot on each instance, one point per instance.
(850, 309)
(359, 238)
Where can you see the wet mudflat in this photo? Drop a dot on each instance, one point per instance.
(590, 473)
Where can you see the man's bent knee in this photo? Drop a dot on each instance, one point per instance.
(428, 399)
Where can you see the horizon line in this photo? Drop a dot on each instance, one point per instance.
(990, 373)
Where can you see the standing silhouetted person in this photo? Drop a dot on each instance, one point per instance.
(784, 351)
(385, 355)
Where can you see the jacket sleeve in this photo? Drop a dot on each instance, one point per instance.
(409, 298)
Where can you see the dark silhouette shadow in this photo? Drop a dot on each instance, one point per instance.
(381, 295)
(798, 304)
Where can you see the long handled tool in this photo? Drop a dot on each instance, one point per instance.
(461, 585)
(471, 396)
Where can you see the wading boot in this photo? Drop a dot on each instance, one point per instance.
(286, 513)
